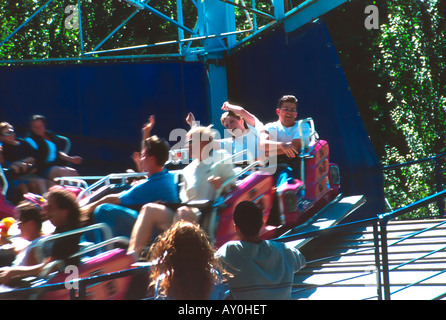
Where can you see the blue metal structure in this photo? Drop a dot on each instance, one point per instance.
(215, 25)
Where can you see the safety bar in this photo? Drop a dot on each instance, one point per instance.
(77, 181)
(311, 146)
(106, 181)
(4, 180)
(121, 240)
(98, 226)
(213, 214)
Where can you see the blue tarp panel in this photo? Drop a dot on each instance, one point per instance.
(304, 63)
(102, 108)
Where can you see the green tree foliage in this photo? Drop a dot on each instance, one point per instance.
(43, 37)
(46, 36)
(397, 75)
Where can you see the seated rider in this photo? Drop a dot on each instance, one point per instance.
(244, 129)
(63, 212)
(201, 179)
(282, 138)
(118, 210)
(261, 269)
(51, 160)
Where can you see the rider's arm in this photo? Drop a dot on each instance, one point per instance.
(246, 115)
(272, 147)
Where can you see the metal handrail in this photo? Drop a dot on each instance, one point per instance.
(380, 241)
(106, 180)
(381, 219)
(98, 226)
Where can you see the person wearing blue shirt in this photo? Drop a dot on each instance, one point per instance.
(261, 269)
(160, 185)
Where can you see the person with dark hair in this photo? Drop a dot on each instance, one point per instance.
(120, 210)
(21, 250)
(63, 212)
(261, 269)
(282, 137)
(20, 158)
(244, 129)
(200, 181)
(30, 225)
(51, 160)
(184, 265)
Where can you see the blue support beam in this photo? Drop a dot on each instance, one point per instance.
(307, 12)
(163, 16)
(26, 22)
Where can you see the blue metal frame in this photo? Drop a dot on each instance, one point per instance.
(294, 18)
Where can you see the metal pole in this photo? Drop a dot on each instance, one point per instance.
(163, 16)
(439, 186)
(385, 259)
(24, 23)
(377, 262)
(79, 12)
(180, 20)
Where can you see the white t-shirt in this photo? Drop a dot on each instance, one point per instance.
(250, 141)
(277, 132)
(196, 174)
(22, 256)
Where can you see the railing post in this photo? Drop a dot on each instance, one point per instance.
(80, 293)
(377, 261)
(384, 258)
(439, 185)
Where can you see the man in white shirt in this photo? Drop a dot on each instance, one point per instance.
(282, 137)
(261, 269)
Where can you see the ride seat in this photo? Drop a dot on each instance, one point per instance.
(104, 263)
(316, 171)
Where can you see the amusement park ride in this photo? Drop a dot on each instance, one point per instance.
(308, 200)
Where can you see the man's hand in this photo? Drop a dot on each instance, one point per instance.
(215, 182)
(147, 128)
(289, 150)
(190, 119)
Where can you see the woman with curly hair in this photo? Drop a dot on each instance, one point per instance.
(185, 266)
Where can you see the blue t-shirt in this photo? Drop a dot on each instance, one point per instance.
(160, 186)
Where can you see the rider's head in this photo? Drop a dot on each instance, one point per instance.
(234, 123)
(248, 218)
(156, 148)
(197, 140)
(287, 110)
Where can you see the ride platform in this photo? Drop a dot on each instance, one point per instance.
(329, 216)
(342, 267)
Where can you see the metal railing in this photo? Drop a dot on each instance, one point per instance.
(380, 248)
(436, 164)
